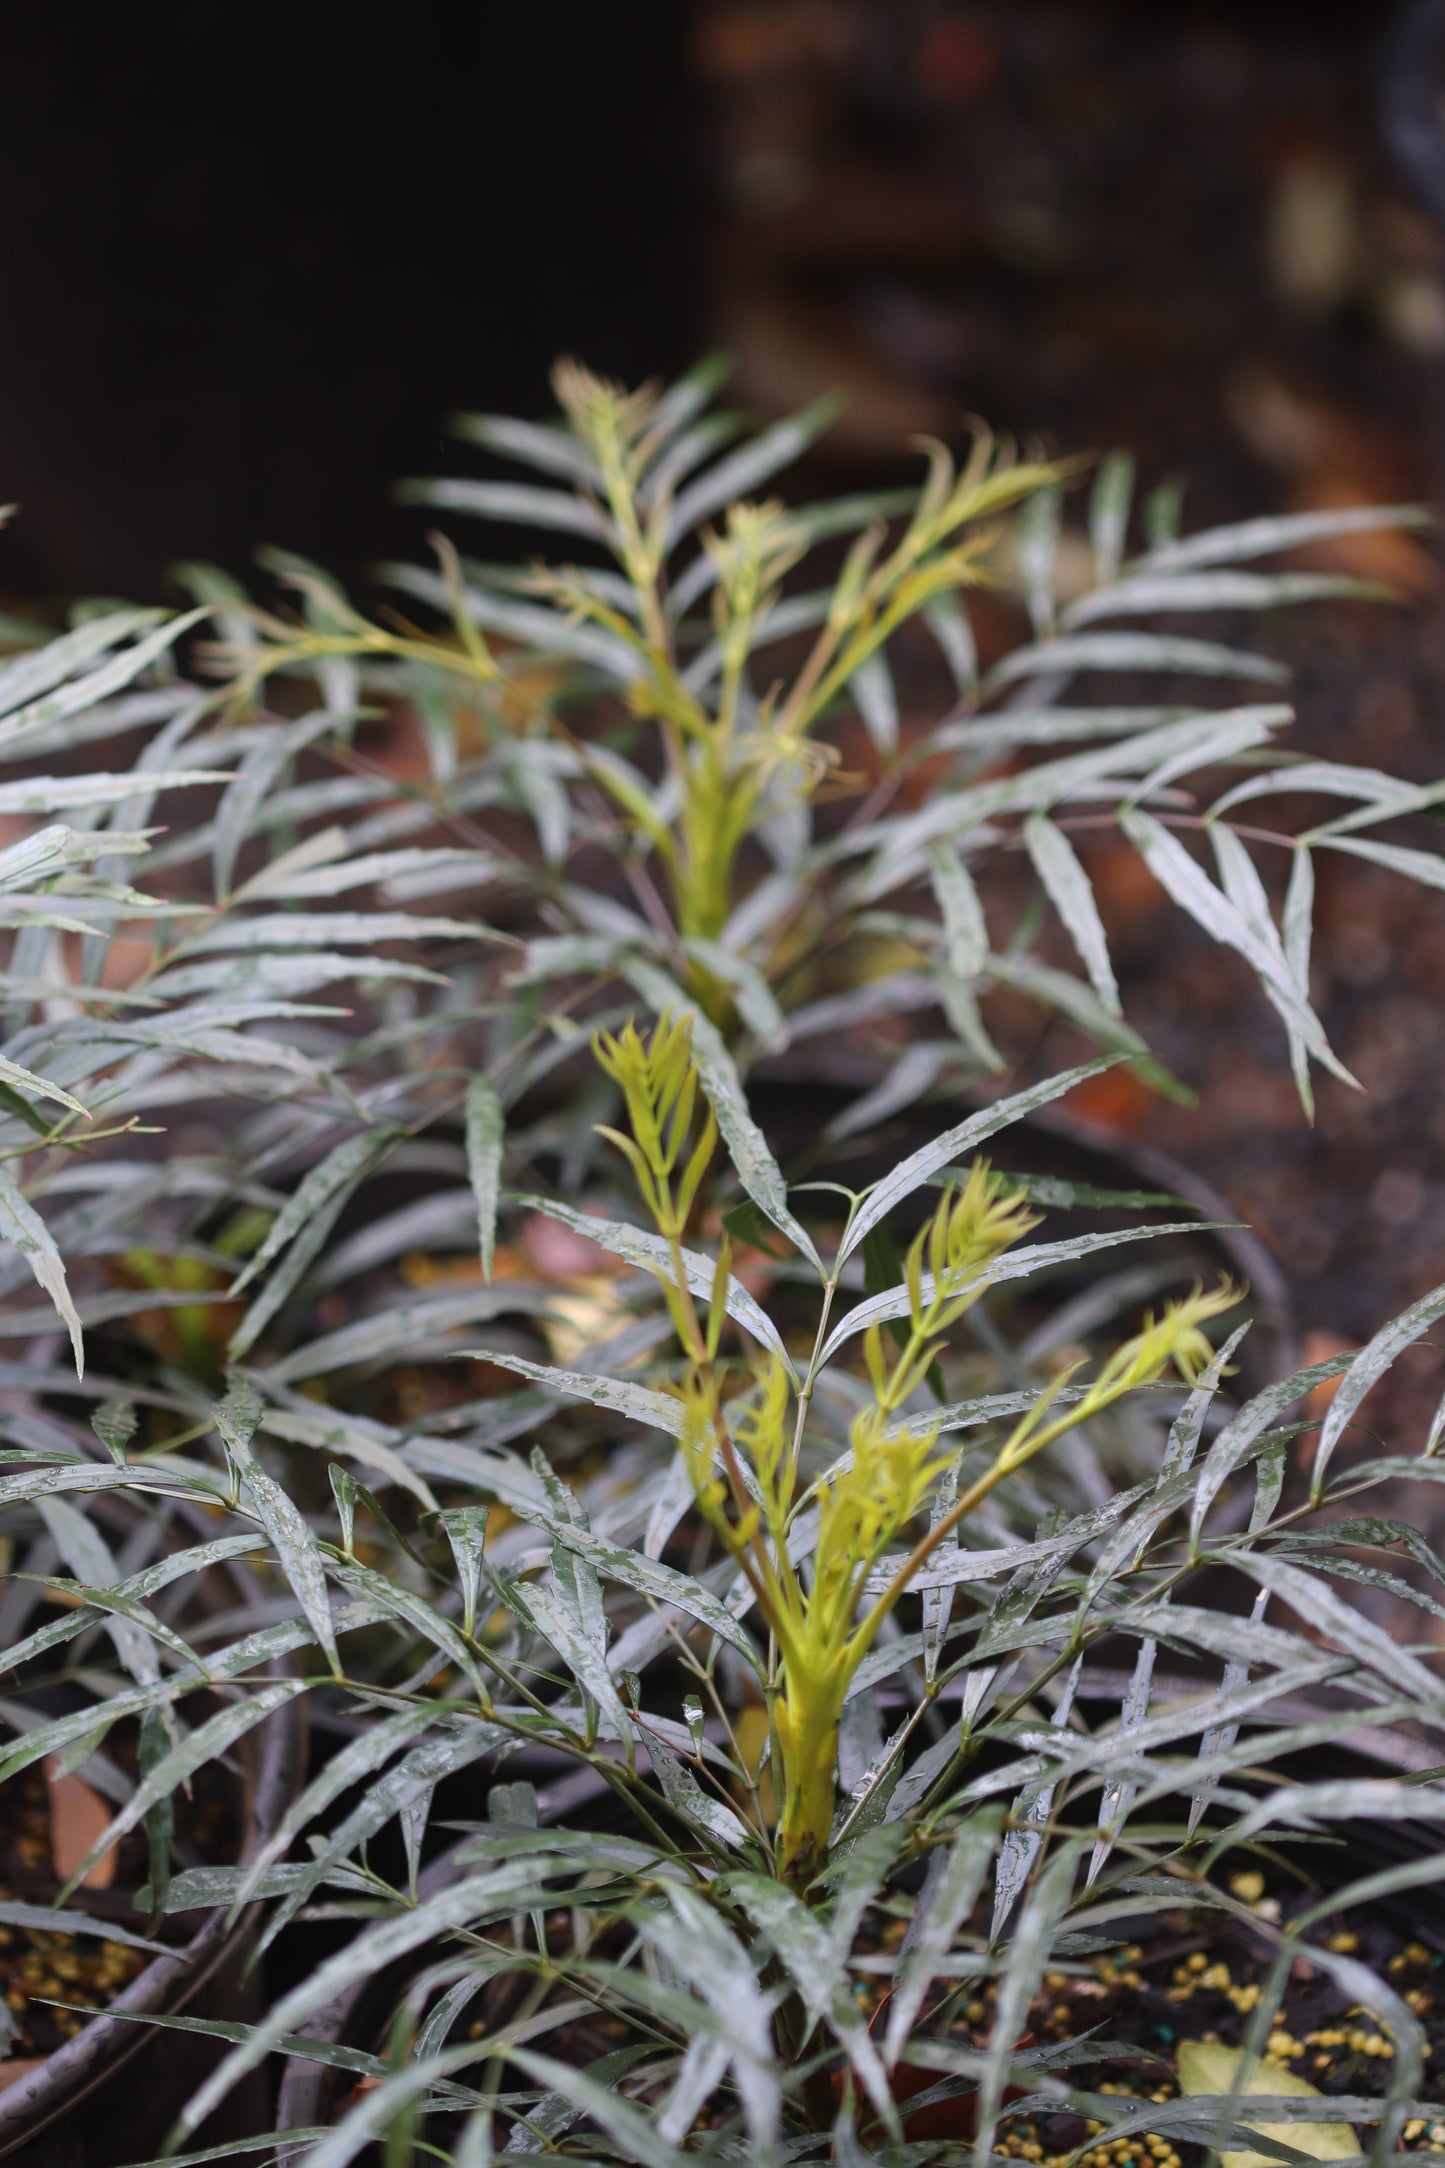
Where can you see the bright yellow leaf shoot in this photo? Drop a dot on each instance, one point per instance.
(720, 749)
(744, 1465)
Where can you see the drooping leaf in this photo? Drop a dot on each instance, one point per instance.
(660, 1411)
(286, 1525)
(476, 1898)
(21, 1224)
(208, 1742)
(1368, 1367)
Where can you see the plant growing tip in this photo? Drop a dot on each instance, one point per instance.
(742, 1451)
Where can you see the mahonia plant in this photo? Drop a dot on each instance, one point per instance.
(679, 1630)
(687, 762)
(744, 1462)
(680, 695)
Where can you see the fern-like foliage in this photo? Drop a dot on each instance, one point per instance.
(631, 795)
(291, 1075)
(996, 1782)
(698, 614)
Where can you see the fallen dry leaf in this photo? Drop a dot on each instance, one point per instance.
(1318, 1347)
(78, 1815)
(1206, 2067)
(1117, 1100)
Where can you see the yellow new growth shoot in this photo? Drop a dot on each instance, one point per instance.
(744, 1465)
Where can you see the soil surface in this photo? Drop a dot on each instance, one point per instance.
(40, 1970)
(1196, 1976)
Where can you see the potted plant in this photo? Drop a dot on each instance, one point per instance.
(867, 1798)
(597, 753)
(682, 775)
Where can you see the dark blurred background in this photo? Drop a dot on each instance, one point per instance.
(249, 262)
(250, 258)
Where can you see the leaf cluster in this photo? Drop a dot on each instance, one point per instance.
(813, 1582)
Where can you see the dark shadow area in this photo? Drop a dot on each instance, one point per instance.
(251, 258)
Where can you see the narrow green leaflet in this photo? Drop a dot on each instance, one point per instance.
(945, 1902)
(685, 1795)
(1144, 595)
(756, 1003)
(25, 1080)
(331, 1177)
(1027, 1954)
(1368, 1367)
(21, 1224)
(25, 677)
(486, 1136)
(660, 1411)
(532, 444)
(320, 929)
(260, 770)
(296, 1547)
(1210, 908)
(817, 1965)
(1110, 500)
(1028, 1819)
(628, 2128)
(55, 794)
(964, 928)
(1297, 933)
(520, 502)
(659, 1583)
(407, 1325)
(114, 1423)
(754, 462)
(1170, 747)
(1237, 1440)
(111, 677)
(415, 1776)
(702, 1950)
(89, 1558)
(1057, 864)
(384, 2111)
(477, 1898)
(329, 1430)
(1133, 651)
(176, 1566)
(911, 1173)
(562, 1625)
(1015, 1265)
(650, 1253)
(392, 1597)
(873, 689)
(1264, 537)
(48, 1921)
(1314, 1601)
(1246, 891)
